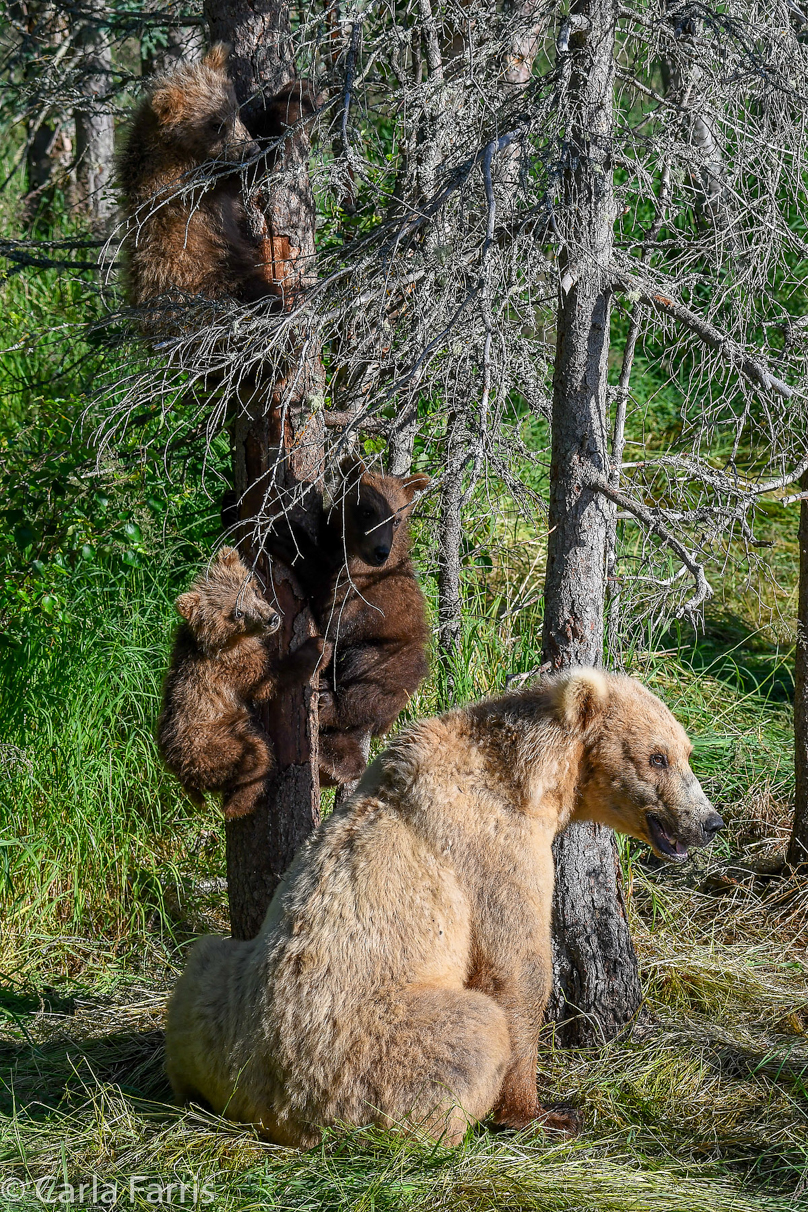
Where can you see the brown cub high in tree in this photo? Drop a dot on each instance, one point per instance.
(185, 237)
(361, 583)
(220, 666)
(403, 968)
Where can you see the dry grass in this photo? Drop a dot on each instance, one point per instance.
(704, 1106)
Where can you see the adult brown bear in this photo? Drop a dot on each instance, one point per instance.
(402, 970)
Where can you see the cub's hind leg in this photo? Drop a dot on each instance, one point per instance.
(256, 762)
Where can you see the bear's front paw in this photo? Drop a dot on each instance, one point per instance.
(300, 665)
(342, 758)
(326, 707)
(558, 1119)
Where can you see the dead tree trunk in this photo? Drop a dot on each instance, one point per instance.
(682, 77)
(49, 146)
(401, 443)
(95, 133)
(267, 432)
(450, 535)
(798, 846)
(596, 981)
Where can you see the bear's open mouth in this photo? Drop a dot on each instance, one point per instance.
(662, 840)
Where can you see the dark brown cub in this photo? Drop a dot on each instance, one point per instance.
(366, 600)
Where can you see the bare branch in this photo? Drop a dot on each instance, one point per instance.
(752, 369)
(657, 527)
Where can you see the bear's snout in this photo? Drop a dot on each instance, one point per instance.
(272, 622)
(711, 826)
(687, 820)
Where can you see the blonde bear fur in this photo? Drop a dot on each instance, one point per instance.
(401, 974)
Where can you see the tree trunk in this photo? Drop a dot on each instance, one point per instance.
(450, 534)
(401, 443)
(49, 147)
(681, 79)
(266, 434)
(95, 133)
(596, 980)
(798, 846)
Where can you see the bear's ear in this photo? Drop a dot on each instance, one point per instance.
(414, 484)
(217, 56)
(228, 557)
(187, 604)
(352, 467)
(579, 696)
(168, 104)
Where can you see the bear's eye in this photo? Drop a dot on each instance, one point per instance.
(396, 521)
(365, 514)
(659, 759)
(238, 614)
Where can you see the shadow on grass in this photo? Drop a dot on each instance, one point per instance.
(53, 1051)
(19, 1000)
(728, 649)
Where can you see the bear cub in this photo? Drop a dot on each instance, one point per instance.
(186, 237)
(182, 240)
(366, 601)
(221, 666)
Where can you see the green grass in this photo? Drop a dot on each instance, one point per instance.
(92, 829)
(109, 873)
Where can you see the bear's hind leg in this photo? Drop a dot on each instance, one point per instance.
(443, 1062)
(343, 756)
(256, 764)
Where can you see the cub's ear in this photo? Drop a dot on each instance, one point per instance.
(578, 696)
(168, 104)
(217, 56)
(352, 466)
(187, 604)
(228, 557)
(414, 484)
